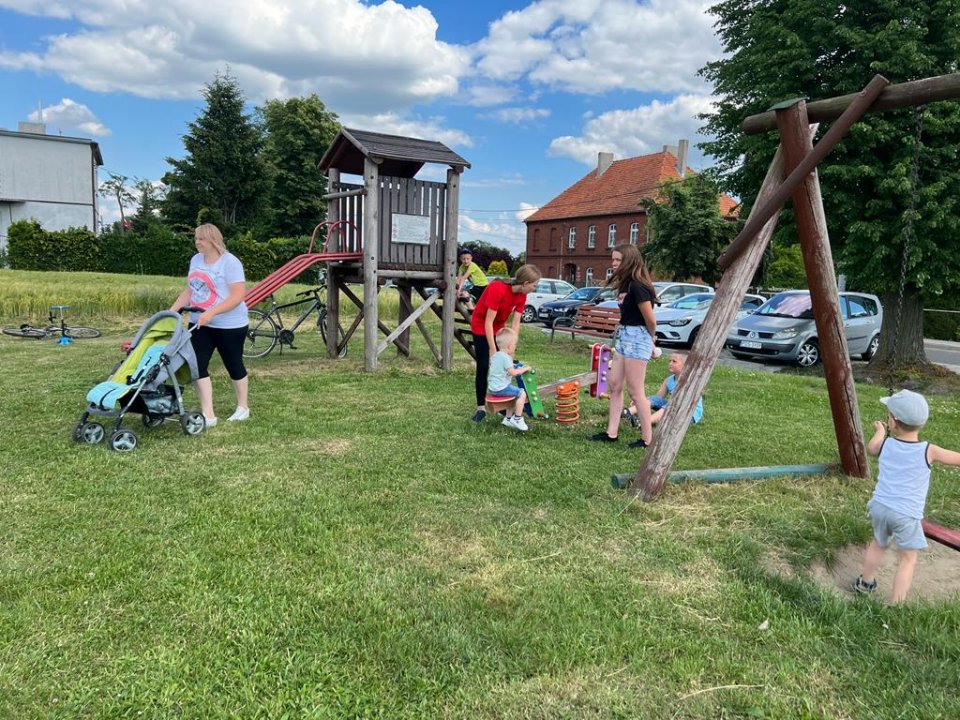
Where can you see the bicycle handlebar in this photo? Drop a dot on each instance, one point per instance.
(312, 291)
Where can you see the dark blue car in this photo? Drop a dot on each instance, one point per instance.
(567, 307)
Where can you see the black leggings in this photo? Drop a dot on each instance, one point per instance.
(482, 349)
(226, 341)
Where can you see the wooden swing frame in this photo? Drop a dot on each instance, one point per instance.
(792, 174)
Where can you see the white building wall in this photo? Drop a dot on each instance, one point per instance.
(48, 178)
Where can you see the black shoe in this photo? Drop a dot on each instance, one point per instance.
(601, 437)
(637, 444)
(864, 588)
(479, 416)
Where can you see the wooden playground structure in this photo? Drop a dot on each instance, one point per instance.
(792, 174)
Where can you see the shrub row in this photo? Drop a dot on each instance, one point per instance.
(157, 251)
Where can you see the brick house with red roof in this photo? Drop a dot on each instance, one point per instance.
(571, 236)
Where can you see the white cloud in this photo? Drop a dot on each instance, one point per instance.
(425, 129)
(504, 231)
(70, 116)
(593, 46)
(643, 130)
(357, 57)
(488, 95)
(518, 115)
(526, 210)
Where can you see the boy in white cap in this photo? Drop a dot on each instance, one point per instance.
(896, 507)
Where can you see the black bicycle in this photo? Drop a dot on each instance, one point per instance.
(55, 326)
(266, 330)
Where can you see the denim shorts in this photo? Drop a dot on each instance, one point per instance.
(634, 342)
(906, 531)
(508, 391)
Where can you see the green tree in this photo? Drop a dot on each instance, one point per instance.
(298, 133)
(498, 267)
(688, 230)
(148, 197)
(484, 253)
(116, 187)
(780, 49)
(221, 178)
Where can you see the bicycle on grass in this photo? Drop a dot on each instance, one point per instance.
(266, 329)
(55, 326)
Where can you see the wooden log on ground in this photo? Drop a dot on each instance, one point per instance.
(729, 475)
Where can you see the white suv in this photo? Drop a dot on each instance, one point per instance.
(547, 289)
(667, 292)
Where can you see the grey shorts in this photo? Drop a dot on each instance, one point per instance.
(906, 531)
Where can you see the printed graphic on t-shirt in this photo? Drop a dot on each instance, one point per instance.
(203, 290)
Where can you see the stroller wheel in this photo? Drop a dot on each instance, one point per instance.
(123, 441)
(151, 421)
(193, 423)
(89, 432)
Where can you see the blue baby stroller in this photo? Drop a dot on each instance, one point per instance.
(148, 381)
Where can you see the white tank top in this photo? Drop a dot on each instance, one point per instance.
(904, 477)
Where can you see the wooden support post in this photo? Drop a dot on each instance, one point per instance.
(659, 457)
(404, 309)
(822, 281)
(371, 222)
(450, 227)
(333, 282)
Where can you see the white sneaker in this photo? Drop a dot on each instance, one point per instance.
(516, 422)
(211, 422)
(239, 414)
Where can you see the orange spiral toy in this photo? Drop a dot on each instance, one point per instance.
(568, 402)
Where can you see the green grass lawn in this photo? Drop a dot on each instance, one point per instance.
(360, 549)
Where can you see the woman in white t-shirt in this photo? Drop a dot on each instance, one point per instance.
(216, 285)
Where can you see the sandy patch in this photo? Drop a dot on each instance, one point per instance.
(937, 577)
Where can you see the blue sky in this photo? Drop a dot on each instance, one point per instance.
(528, 92)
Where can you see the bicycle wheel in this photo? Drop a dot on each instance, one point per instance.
(262, 334)
(322, 327)
(78, 332)
(25, 331)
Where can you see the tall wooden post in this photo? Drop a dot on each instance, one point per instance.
(821, 278)
(659, 457)
(371, 226)
(451, 225)
(333, 287)
(404, 310)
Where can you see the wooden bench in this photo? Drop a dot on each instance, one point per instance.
(590, 320)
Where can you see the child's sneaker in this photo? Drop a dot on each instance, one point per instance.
(211, 422)
(516, 422)
(239, 414)
(862, 587)
(631, 418)
(479, 416)
(637, 444)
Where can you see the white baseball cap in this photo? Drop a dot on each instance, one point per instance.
(908, 407)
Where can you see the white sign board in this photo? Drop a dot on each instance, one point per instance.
(410, 229)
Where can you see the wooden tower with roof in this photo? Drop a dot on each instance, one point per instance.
(406, 230)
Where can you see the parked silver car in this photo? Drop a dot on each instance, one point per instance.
(783, 328)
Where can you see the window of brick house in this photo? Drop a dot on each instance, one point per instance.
(572, 238)
(591, 237)
(634, 233)
(536, 239)
(553, 239)
(609, 273)
(612, 235)
(589, 276)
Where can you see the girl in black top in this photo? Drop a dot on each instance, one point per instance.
(635, 343)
